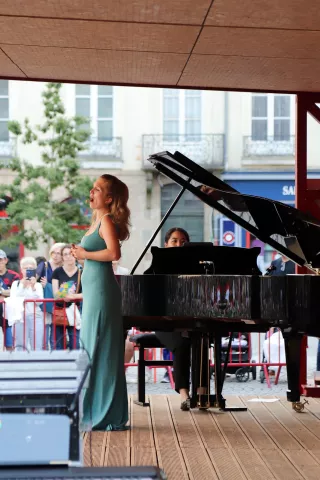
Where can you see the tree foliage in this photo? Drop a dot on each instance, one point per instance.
(36, 189)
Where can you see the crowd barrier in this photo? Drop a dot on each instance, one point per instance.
(31, 325)
(268, 355)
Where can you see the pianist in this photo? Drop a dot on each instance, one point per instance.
(175, 341)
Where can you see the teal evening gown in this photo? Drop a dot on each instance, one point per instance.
(105, 405)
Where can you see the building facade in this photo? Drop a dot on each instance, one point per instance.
(247, 139)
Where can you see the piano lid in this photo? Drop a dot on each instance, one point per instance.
(286, 229)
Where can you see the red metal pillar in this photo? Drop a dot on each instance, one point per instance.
(301, 153)
(301, 196)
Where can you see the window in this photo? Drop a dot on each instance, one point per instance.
(259, 117)
(171, 114)
(4, 110)
(95, 102)
(105, 112)
(187, 214)
(192, 121)
(181, 114)
(281, 115)
(272, 117)
(83, 100)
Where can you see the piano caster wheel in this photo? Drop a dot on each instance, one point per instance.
(299, 406)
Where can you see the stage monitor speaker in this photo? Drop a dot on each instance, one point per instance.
(40, 397)
(28, 439)
(85, 473)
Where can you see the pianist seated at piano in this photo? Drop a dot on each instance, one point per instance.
(176, 342)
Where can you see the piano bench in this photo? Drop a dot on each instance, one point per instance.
(148, 340)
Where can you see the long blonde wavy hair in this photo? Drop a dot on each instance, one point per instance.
(119, 210)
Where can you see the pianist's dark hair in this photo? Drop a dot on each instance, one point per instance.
(119, 210)
(176, 229)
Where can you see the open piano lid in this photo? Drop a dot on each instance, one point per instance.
(289, 231)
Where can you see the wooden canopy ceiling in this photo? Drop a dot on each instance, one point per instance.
(267, 45)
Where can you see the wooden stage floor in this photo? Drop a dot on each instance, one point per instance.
(268, 441)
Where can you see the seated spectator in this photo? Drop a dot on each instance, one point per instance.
(29, 332)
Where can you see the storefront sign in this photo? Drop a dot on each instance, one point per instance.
(280, 190)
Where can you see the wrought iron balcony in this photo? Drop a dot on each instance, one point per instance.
(109, 149)
(271, 146)
(205, 149)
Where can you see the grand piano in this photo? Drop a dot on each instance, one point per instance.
(210, 291)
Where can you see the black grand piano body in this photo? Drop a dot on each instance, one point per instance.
(180, 285)
(251, 304)
(184, 284)
(203, 288)
(176, 300)
(295, 300)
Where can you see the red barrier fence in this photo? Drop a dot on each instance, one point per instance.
(32, 324)
(268, 354)
(55, 324)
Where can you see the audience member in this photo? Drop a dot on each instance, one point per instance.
(29, 331)
(44, 275)
(7, 277)
(66, 284)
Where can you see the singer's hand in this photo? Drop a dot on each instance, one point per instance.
(73, 250)
(78, 252)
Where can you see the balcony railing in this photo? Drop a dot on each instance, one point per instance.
(206, 149)
(271, 147)
(110, 149)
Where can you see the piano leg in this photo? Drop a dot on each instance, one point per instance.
(194, 369)
(292, 344)
(200, 370)
(141, 379)
(220, 375)
(200, 374)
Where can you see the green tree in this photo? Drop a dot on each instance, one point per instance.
(36, 189)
